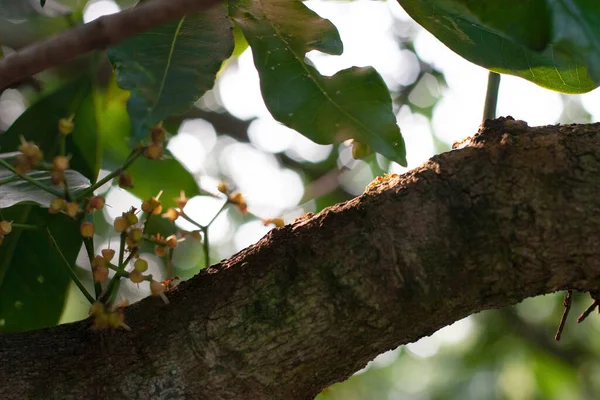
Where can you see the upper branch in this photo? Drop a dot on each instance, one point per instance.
(98, 34)
(513, 215)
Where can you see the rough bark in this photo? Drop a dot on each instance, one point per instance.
(513, 215)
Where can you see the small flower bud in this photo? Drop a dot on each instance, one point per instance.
(120, 224)
(5, 227)
(98, 261)
(115, 319)
(72, 209)
(108, 254)
(136, 276)
(157, 288)
(87, 229)
(96, 203)
(151, 205)
(66, 126)
(101, 321)
(23, 164)
(140, 265)
(223, 188)
(360, 150)
(56, 206)
(97, 308)
(157, 135)
(135, 234)
(153, 152)
(181, 200)
(131, 218)
(60, 163)
(160, 251)
(100, 273)
(30, 150)
(171, 241)
(240, 203)
(278, 222)
(57, 177)
(171, 214)
(125, 181)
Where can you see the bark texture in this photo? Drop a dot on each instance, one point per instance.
(514, 214)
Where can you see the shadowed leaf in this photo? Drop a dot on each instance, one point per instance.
(354, 103)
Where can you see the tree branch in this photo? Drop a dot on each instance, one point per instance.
(513, 215)
(98, 34)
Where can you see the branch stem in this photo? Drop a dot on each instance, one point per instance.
(491, 96)
(29, 179)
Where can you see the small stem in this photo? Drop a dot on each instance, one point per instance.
(26, 226)
(66, 190)
(588, 311)
(117, 270)
(63, 144)
(89, 247)
(70, 270)
(491, 96)
(563, 320)
(132, 157)
(29, 179)
(170, 263)
(218, 213)
(113, 281)
(206, 247)
(184, 216)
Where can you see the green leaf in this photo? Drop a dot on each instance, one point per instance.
(525, 22)
(149, 177)
(39, 123)
(33, 282)
(169, 67)
(20, 191)
(168, 175)
(568, 32)
(22, 9)
(354, 103)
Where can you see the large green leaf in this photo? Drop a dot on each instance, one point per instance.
(568, 31)
(149, 177)
(354, 103)
(33, 281)
(169, 67)
(39, 123)
(525, 22)
(20, 191)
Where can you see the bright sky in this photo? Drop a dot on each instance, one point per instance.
(366, 30)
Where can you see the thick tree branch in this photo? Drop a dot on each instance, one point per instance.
(99, 34)
(513, 215)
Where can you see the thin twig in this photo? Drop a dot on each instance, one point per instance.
(70, 270)
(89, 247)
(99, 34)
(563, 320)
(132, 157)
(122, 265)
(588, 311)
(29, 179)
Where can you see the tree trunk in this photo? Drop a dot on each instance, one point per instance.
(514, 214)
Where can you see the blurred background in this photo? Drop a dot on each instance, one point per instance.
(230, 135)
